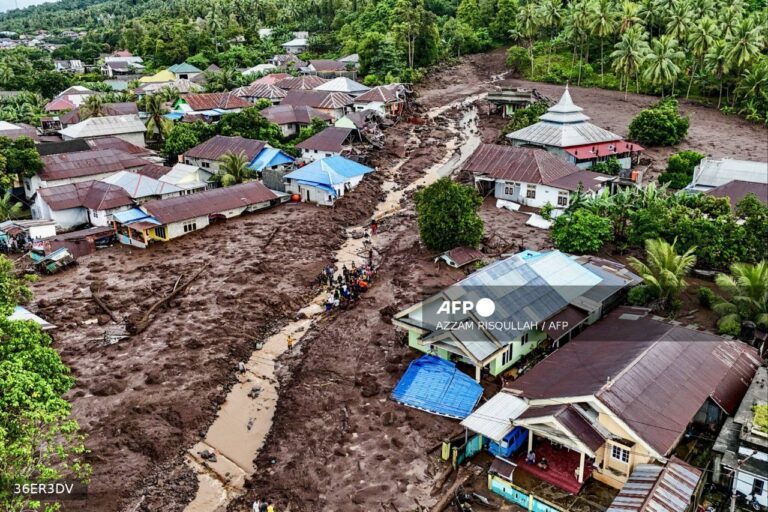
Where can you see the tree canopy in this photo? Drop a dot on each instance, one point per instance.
(447, 215)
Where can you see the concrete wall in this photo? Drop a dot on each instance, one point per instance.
(743, 482)
(104, 217)
(310, 155)
(517, 192)
(64, 219)
(176, 229)
(519, 350)
(208, 165)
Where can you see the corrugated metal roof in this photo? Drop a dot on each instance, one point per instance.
(87, 163)
(187, 176)
(306, 82)
(119, 144)
(571, 420)
(652, 488)
(215, 100)
(330, 139)
(95, 195)
(528, 165)
(108, 109)
(271, 79)
(713, 173)
(208, 202)
(103, 126)
(343, 84)
(290, 114)
(587, 179)
(270, 157)
(382, 93)
(736, 190)
(153, 170)
(23, 314)
(317, 99)
(329, 171)
(139, 186)
(604, 149)
(322, 65)
(268, 91)
(494, 418)
(219, 145)
(184, 68)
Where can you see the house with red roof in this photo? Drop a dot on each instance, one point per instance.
(211, 105)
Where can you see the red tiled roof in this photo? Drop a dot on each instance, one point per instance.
(317, 99)
(651, 374)
(602, 149)
(330, 139)
(288, 114)
(95, 195)
(87, 163)
(210, 101)
(205, 203)
(527, 165)
(301, 82)
(321, 65)
(218, 146)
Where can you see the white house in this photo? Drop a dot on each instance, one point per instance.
(324, 181)
(127, 127)
(529, 176)
(72, 205)
(208, 154)
(332, 141)
(189, 178)
(296, 45)
(712, 173)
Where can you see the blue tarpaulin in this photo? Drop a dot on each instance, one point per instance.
(269, 157)
(437, 386)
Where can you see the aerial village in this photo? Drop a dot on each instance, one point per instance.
(473, 292)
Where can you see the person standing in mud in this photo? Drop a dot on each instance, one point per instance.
(290, 341)
(374, 227)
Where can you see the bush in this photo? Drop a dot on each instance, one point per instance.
(679, 172)
(660, 125)
(729, 326)
(517, 59)
(611, 167)
(706, 296)
(581, 232)
(640, 295)
(525, 117)
(447, 215)
(546, 211)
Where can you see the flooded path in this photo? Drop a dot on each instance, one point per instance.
(243, 423)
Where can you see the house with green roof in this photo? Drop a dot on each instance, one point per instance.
(185, 71)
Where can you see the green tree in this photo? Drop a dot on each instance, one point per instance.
(745, 295)
(9, 207)
(659, 125)
(629, 55)
(581, 232)
(700, 39)
(679, 171)
(156, 123)
(717, 62)
(185, 136)
(603, 25)
(234, 169)
(661, 66)
(249, 124)
(315, 126)
(528, 23)
(93, 106)
(664, 271)
(19, 159)
(447, 215)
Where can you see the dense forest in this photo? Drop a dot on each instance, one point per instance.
(709, 49)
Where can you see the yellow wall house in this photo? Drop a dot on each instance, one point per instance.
(532, 297)
(620, 394)
(160, 76)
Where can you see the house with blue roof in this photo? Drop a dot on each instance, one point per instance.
(495, 317)
(324, 181)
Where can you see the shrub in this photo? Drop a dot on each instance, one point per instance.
(525, 117)
(517, 59)
(581, 232)
(640, 295)
(729, 326)
(679, 170)
(706, 296)
(546, 211)
(611, 167)
(660, 125)
(447, 215)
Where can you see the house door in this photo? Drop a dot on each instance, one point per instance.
(307, 195)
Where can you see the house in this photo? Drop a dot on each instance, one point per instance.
(530, 176)
(672, 487)
(27, 229)
(118, 144)
(363, 121)
(287, 61)
(208, 154)
(565, 131)
(15, 130)
(741, 448)
(253, 93)
(737, 190)
(259, 69)
(142, 188)
(74, 95)
(87, 202)
(307, 82)
(155, 171)
(67, 168)
(343, 85)
(270, 79)
(335, 104)
(182, 86)
(529, 298)
(324, 181)
(123, 55)
(166, 219)
(351, 60)
(62, 147)
(127, 127)
(189, 178)
(58, 105)
(212, 105)
(291, 118)
(107, 109)
(460, 256)
(325, 67)
(272, 165)
(509, 99)
(330, 142)
(712, 173)
(184, 71)
(621, 395)
(69, 66)
(387, 99)
(296, 45)
(161, 76)
(114, 67)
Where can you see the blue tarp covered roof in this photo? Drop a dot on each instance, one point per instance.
(133, 215)
(269, 157)
(174, 115)
(329, 171)
(437, 386)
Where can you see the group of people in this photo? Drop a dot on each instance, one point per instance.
(262, 506)
(14, 243)
(543, 463)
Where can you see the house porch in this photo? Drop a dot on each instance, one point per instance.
(563, 465)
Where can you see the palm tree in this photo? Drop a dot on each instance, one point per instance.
(233, 169)
(528, 23)
(9, 207)
(6, 74)
(155, 109)
(579, 18)
(630, 16)
(718, 64)
(700, 39)
(744, 44)
(93, 106)
(679, 18)
(661, 61)
(603, 25)
(753, 82)
(747, 289)
(550, 15)
(629, 54)
(664, 270)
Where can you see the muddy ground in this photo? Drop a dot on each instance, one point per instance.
(337, 442)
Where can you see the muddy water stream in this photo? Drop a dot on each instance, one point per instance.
(242, 424)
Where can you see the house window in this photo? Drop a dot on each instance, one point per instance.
(620, 454)
(562, 199)
(160, 231)
(95, 214)
(530, 192)
(190, 225)
(506, 356)
(188, 161)
(524, 339)
(206, 164)
(757, 487)
(509, 189)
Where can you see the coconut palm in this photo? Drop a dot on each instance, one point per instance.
(93, 106)
(679, 19)
(664, 270)
(753, 82)
(603, 25)
(9, 207)
(744, 44)
(528, 23)
(746, 290)
(550, 16)
(700, 39)
(718, 64)
(579, 15)
(156, 122)
(233, 169)
(629, 54)
(630, 15)
(661, 62)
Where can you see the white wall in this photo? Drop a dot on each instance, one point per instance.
(209, 165)
(104, 217)
(320, 196)
(31, 185)
(36, 232)
(743, 481)
(176, 229)
(310, 155)
(517, 194)
(372, 105)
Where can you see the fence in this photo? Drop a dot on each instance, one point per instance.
(519, 496)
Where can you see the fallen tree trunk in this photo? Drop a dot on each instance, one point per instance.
(441, 479)
(103, 305)
(138, 327)
(461, 478)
